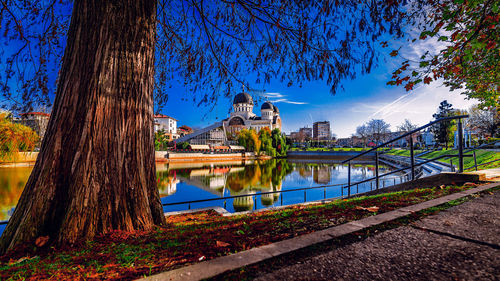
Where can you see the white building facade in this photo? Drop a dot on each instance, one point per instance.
(167, 124)
(243, 117)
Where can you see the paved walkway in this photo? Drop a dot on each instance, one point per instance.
(461, 243)
(490, 174)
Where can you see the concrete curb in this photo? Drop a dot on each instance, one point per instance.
(220, 265)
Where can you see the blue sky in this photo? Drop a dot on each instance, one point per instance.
(364, 98)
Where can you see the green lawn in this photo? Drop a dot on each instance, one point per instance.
(482, 156)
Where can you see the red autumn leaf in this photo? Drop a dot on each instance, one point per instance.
(393, 53)
(427, 80)
(409, 86)
(222, 244)
(41, 241)
(372, 209)
(491, 45)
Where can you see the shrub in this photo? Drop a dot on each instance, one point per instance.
(15, 138)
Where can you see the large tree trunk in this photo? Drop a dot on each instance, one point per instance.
(96, 170)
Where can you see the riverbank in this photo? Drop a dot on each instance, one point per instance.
(170, 157)
(27, 159)
(198, 236)
(20, 159)
(337, 156)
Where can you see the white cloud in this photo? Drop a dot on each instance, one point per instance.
(272, 95)
(419, 105)
(278, 97)
(288, 101)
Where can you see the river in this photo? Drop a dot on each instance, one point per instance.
(180, 182)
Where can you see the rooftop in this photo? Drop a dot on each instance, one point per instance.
(164, 116)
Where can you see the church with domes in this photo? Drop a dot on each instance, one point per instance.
(243, 117)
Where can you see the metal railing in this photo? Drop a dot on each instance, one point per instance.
(281, 192)
(413, 165)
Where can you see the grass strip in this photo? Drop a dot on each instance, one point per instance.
(482, 156)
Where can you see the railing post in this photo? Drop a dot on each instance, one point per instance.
(452, 168)
(460, 147)
(349, 178)
(376, 170)
(412, 159)
(475, 161)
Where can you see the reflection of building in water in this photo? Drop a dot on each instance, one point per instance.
(270, 198)
(168, 186)
(267, 199)
(277, 195)
(305, 171)
(207, 180)
(244, 203)
(223, 180)
(322, 174)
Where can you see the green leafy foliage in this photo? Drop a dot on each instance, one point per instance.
(161, 140)
(469, 60)
(442, 130)
(273, 143)
(249, 139)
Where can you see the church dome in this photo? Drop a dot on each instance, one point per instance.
(276, 109)
(267, 105)
(243, 98)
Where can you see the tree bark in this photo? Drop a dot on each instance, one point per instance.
(96, 171)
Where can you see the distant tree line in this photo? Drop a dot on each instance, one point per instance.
(376, 130)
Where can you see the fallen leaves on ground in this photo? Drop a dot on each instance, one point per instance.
(222, 244)
(189, 238)
(372, 209)
(41, 241)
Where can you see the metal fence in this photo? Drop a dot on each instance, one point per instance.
(413, 165)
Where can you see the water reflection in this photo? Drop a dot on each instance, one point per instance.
(12, 181)
(238, 178)
(178, 182)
